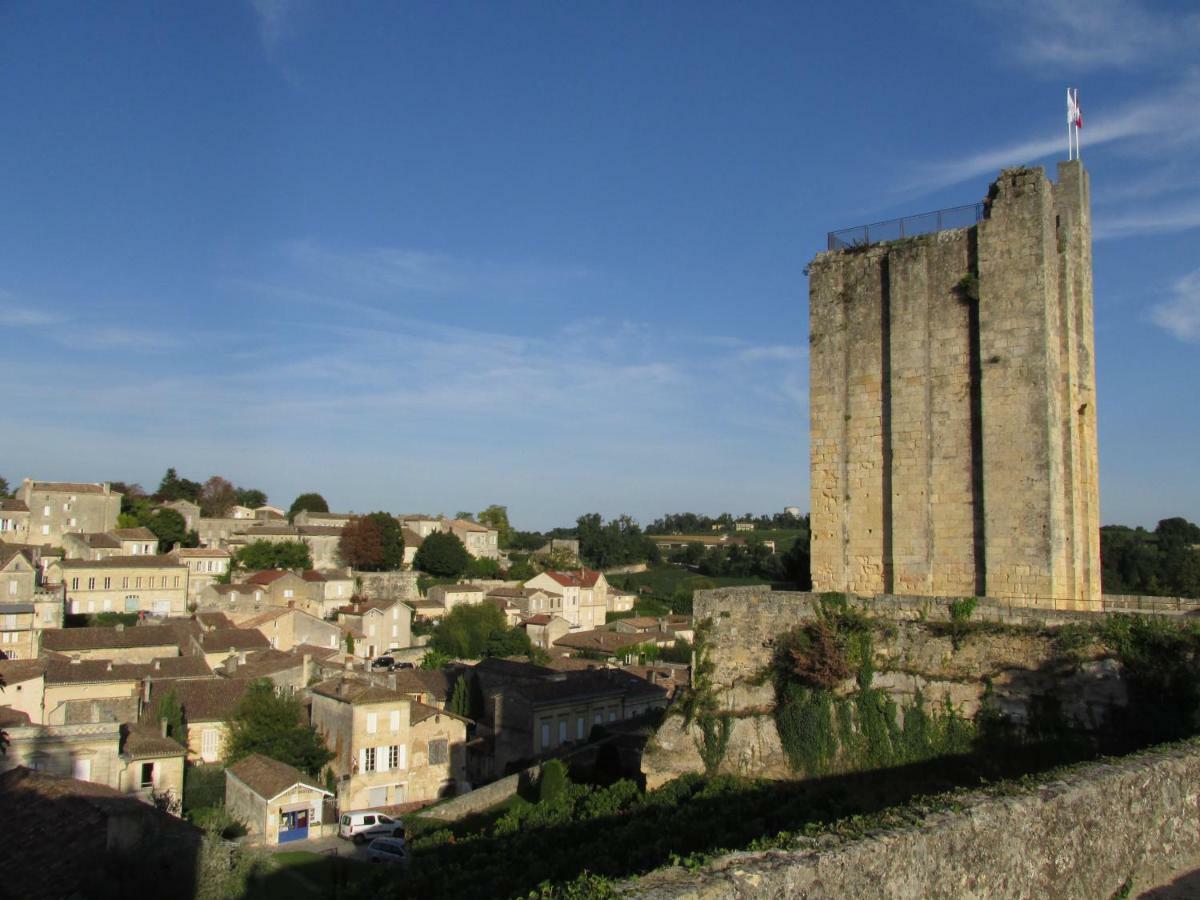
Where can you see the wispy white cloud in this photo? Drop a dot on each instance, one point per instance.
(1173, 112)
(1066, 34)
(406, 269)
(1180, 314)
(1157, 218)
(274, 21)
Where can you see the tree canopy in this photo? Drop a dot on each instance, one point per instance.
(372, 543)
(1163, 562)
(5, 491)
(217, 497)
(251, 497)
(475, 631)
(614, 543)
(172, 487)
(269, 555)
(311, 502)
(273, 725)
(496, 516)
(170, 528)
(443, 554)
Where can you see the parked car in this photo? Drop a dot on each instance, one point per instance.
(364, 824)
(390, 850)
(384, 662)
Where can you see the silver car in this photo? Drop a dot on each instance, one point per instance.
(389, 850)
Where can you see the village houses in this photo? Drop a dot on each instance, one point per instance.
(584, 595)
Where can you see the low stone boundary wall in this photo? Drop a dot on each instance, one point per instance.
(1137, 603)
(1080, 837)
(483, 798)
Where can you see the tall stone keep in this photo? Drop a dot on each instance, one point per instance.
(953, 410)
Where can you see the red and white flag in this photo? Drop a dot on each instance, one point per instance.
(1074, 113)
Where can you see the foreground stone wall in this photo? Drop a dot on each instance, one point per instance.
(1008, 666)
(1082, 836)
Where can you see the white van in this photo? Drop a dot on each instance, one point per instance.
(364, 824)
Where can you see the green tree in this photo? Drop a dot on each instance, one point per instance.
(311, 502)
(273, 725)
(217, 497)
(169, 527)
(269, 555)
(434, 659)
(508, 642)
(169, 708)
(519, 569)
(251, 497)
(5, 491)
(464, 632)
(553, 784)
(482, 567)
(496, 516)
(460, 700)
(172, 487)
(443, 554)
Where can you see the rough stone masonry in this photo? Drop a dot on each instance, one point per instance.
(953, 412)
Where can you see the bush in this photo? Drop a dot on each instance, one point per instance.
(203, 787)
(554, 782)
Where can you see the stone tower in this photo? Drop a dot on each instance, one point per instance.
(953, 412)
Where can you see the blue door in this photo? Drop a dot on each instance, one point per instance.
(293, 826)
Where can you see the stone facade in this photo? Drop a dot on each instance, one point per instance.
(953, 416)
(58, 508)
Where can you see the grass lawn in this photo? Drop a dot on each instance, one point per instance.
(300, 874)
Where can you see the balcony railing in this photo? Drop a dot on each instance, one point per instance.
(908, 226)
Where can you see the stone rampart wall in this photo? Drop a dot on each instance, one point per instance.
(389, 585)
(1082, 836)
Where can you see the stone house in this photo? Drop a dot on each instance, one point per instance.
(281, 587)
(431, 687)
(329, 589)
(136, 541)
(532, 711)
(322, 543)
(511, 612)
(584, 593)
(389, 749)
(288, 628)
(190, 512)
(24, 687)
(329, 520)
(59, 508)
(156, 585)
(544, 629)
(530, 600)
(14, 521)
(291, 672)
(88, 691)
(242, 598)
(218, 644)
(481, 541)
(608, 642)
(207, 704)
(412, 543)
(90, 546)
(377, 626)
(620, 601)
(18, 631)
(129, 758)
(452, 595)
(143, 643)
(278, 803)
(205, 566)
(421, 525)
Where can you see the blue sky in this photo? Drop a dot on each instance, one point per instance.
(436, 256)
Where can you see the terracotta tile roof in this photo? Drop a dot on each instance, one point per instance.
(168, 667)
(411, 538)
(124, 562)
(8, 551)
(264, 617)
(466, 525)
(65, 640)
(313, 575)
(461, 588)
(268, 529)
(641, 622)
(356, 691)
(609, 641)
(200, 553)
(7, 505)
(146, 741)
(134, 534)
(261, 663)
(436, 683)
(419, 712)
(221, 639)
(13, 718)
(97, 540)
(583, 578)
(56, 838)
(539, 619)
(425, 604)
(214, 620)
(362, 607)
(85, 671)
(14, 671)
(320, 530)
(267, 576)
(203, 700)
(69, 487)
(269, 777)
(250, 589)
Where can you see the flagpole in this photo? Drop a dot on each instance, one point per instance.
(1070, 148)
(1078, 150)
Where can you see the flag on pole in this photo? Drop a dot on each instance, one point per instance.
(1074, 113)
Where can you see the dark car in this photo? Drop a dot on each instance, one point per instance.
(384, 662)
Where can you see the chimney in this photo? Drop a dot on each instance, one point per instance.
(75, 660)
(231, 664)
(242, 656)
(146, 692)
(306, 668)
(157, 665)
(120, 626)
(162, 727)
(108, 666)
